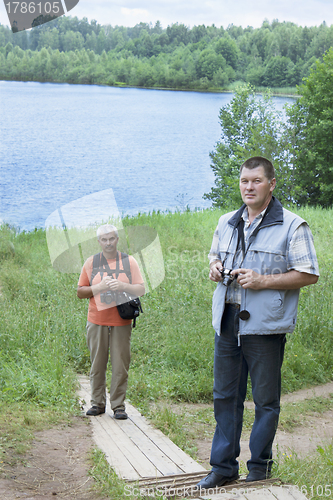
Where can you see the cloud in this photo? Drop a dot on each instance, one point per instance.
(195, 12)
(135, 16)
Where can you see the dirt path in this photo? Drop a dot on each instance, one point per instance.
(56, 466)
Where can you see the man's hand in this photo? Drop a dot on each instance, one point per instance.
(215, 271)
(248, 278)
(290, 280)
(86, 292)
(115, 285)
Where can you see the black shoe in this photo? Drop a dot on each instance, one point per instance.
(213, 480)
(95, 410)
(257, 475)
(120, 414)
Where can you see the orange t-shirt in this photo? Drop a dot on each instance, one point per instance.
(99, 312)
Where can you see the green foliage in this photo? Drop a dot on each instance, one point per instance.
(312, 475)
(203, 58)
(301, 149)
(106, 480)
(7, 249)
(311, 119)
(250, 127)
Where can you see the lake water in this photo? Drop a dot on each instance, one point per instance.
(62, 142)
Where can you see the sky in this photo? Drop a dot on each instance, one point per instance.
(195, 12)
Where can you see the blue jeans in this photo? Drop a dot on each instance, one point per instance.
(261, 356)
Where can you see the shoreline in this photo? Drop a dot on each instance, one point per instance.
(172, 89)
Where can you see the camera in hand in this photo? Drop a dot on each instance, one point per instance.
(108, 297)
(227, 277)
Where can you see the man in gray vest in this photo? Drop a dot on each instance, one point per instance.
(260, 257)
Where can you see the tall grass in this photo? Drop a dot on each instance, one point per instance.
(283, 91)
(42, 323)
(40, 343)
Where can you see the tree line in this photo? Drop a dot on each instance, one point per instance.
(278, 54)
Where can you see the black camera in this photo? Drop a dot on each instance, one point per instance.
(227, 277)
(108, 297)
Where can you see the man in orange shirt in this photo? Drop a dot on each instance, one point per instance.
(106, 330)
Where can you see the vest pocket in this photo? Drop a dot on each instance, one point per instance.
(277, 305)
(266, 305)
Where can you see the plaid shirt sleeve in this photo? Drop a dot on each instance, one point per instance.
(302, 254)
(214, 251)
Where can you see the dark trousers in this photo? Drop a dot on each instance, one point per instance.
(261, 356)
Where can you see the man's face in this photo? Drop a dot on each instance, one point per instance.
(108, 243)
(255, 188)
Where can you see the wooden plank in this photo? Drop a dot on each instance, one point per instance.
(237, 491)
(174, 454)
(240, 490)
(125, 446)
(287, 492)
(184, 462)
(263, 494)
(183, 485)
(258, 494)
(134, 447)
(121, 452)
(188, 478)
(232, 495)
(149, 448)
(117, 460)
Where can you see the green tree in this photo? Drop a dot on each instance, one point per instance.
(295, 49)
(208, 63)
(49, 38)
(311, 126)
(178, 33)
(229, 50)
(91, 42)
(72, 41)
(41, 65)
(250, 127)
(279, 72)
(101, 42)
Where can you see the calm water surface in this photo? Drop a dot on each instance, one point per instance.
(61, 142)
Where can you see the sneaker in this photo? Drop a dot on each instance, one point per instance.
(95, 410)
(120, 414)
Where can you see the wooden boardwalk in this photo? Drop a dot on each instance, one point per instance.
(150, 462)
(135, 449)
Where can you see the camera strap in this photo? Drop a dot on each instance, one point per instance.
(100, 264)
(241, 238)
(106, 266)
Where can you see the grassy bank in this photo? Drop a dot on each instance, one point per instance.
(42, 325)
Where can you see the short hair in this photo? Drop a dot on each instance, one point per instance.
(105, 229)
(259, 161)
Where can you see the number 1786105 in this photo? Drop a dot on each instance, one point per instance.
(33, 7)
